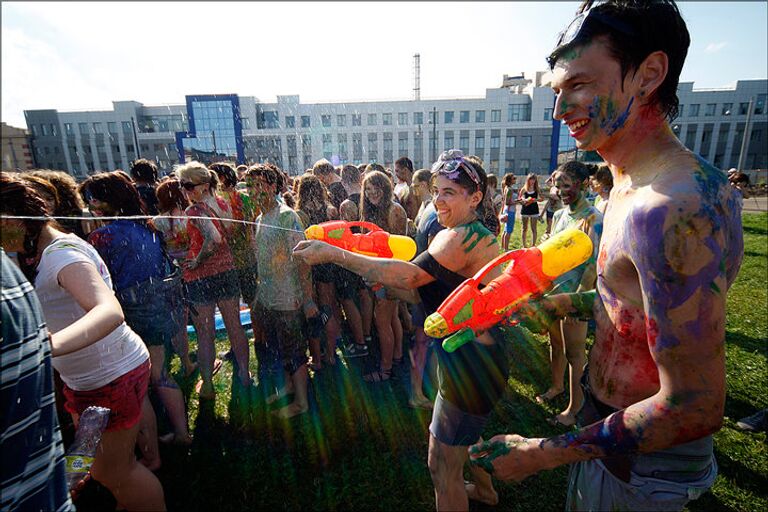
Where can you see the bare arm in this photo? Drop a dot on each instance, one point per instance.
(211, 239)
(683, 285)
(103, 312)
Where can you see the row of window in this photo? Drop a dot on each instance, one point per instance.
(270, 119)
(726, 109)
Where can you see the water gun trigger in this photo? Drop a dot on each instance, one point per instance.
(498, 260)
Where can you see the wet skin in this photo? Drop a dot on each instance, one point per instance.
(671, 246)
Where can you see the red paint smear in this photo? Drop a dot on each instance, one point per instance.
(625, 323)
(601, 258)
(653, 331)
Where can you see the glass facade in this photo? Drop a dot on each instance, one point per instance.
(215, 130)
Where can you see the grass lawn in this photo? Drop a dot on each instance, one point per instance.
(361, 447)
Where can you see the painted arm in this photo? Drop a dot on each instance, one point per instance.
(103, 313)
(678, 257)
(211, 239)
(589, 276)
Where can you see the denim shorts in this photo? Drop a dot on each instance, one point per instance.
(211, 289)
(247, 278)
(454, 427)
(154, 309)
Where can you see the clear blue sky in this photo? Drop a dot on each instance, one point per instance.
(80, 56)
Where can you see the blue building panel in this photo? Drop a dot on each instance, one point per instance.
(215, 129)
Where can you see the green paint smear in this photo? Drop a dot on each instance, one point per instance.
(464, 313)
(336, 233)
(474, 228)
(713, 286)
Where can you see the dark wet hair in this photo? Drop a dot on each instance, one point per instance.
(649, 26)
(405, 162)
(170, 196)
(310, 187)
(577, 171)
(19, 197)
(604, 176)
(350, 174)
(423, 175)
(269, 172)
(378, 214)
(226, 173)
(337, 194)
(70, 202)
(289, 200)
(144, 170)
(323, 167)
(43, 187)
(116, 189)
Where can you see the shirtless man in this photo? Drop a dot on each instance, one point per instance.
(671, 247)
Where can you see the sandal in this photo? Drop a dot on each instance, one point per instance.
(378, 376)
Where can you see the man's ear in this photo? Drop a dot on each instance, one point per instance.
(651, 74)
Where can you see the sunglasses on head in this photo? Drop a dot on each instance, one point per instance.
(585, 21)
(451, 162)
(188, 185)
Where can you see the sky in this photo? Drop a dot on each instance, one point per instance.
(82, 56)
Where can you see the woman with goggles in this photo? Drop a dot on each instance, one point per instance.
(473, 378)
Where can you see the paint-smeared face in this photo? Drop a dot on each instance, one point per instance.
(569, 190)
(259, 190)
(401, 173)
(590, 100)
(373, 193)
(597, 185)
(453, 202)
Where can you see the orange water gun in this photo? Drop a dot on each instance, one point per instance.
(376, 242)
(529, 274)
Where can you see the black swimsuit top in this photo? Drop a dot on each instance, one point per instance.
(433, 294)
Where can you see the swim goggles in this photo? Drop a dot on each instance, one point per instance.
(450, 163)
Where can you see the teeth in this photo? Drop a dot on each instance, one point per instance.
(578, 124)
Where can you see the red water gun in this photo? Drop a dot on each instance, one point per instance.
(529, 274)
(376, 242)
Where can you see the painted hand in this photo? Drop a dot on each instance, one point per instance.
(536, 315)
(508, 457)
(314, 252)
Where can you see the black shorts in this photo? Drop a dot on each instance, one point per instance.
(247, 277)
(284, 335)
(211, 289)
(325, 273)
(347, 284)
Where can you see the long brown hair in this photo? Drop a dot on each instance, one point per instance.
(116, 189)
(310, 187)
(378, 214)
(19, 197)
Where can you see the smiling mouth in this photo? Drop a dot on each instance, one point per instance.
(577, 125)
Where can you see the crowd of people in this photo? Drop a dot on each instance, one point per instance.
(117, 288)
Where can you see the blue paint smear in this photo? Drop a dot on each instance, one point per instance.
(619, 122)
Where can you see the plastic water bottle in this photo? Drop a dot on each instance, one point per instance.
(80, 455)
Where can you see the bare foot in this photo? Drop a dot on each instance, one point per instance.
(420, 402)
(176, 439)
(563, 419)
(549, 395)
(289, 411)
(488, 497)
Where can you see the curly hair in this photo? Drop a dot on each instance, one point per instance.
(377, 214)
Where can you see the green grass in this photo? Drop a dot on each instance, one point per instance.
(362, 448)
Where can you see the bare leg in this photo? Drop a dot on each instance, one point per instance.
(115, 467)
(147, 436)
(534, 232)
(230, 313)
(170, 394)
(446, 464)
(397, 331)
(326, 295)
(180, 344)
(354, 320)
(383, 311)
(525, 231)
(300, 403)
(557, 362)
(366, 310)
(549, 224)
(204, 327)
(418, 362)
(574, 335)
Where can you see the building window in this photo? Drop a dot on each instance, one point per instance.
(479, 142)
(547, 114)
(372, 120)
(464, 116)
(464, 143)
(53, 130)
(479, 116)
(402, 143)
(494, 167)
(727, 108)
(525, 165)
(448, 117)
(525, 142)
(388, 142)
(495, 141)
(509, 165)
(83, 128)
(67, 129)
(680, 110)
(44, 129)
(341, 120)
(356, 119)
(511, 141)
(743, 109)
(495, 116)
(710, 110)
(373, 141)
(760, 104)
(246, 123)
(290, 122)
(325, 120)
(97, 128)
(694, 110)
(305, 122)
(519, 113)
(127, 128)
(306, 143)
(448, 140)
(386, 119)
(402, 118)
(270, 119)
(34, 130)
(418, 118)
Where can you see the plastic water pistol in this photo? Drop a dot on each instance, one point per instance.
(376, 242)
(529, 274)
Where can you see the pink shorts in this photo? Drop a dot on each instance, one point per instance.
(123, 396)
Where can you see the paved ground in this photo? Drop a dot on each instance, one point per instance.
(756, 204)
